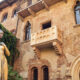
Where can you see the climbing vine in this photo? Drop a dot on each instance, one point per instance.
(10, 40)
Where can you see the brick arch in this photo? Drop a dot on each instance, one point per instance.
(75, 69)
(32, 71)
(43, 71)
(38, 64)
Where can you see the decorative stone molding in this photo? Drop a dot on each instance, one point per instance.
(37, 52)
(75, 68)
(46, 36)
(68, 72)
(58, 74)
(58, 47)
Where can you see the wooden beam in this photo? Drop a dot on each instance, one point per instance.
(46, 6)
(31, 12)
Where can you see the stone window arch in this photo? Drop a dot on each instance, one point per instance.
(35, 73)
(77, 12)
(45, 73)
(75, 69)
(4, 17)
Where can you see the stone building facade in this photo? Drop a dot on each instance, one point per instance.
(49, 35)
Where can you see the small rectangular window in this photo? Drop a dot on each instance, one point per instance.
(46, 25)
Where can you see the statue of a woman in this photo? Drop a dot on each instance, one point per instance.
(3, 61)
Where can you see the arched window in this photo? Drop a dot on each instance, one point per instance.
(45, 73)
(14, 12)
(35, 74)
(4, 17)
(77, 12)
(28, 31)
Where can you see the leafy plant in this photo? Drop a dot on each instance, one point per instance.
(10, 40)
(13, 75)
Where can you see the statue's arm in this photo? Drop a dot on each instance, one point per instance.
(7, 52)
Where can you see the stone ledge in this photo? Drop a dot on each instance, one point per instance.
(76, 25)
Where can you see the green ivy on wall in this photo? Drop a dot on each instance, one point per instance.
(13, 75)
(10, 40)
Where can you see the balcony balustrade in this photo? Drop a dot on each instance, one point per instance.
(46, 36)
(33, 8)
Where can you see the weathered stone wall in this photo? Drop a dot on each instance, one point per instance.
(61, 15)
(11, 22)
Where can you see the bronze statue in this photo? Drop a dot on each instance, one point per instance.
(3, 61)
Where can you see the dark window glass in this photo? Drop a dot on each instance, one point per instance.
(28, 32)
(14, 13)
(45, 73)
(77, 13)
(46, 25)
(35, 74)
(5, 17)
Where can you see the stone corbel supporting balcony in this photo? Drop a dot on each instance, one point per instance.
(37, 52)
(58, 47)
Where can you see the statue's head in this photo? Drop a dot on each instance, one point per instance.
(1, 33)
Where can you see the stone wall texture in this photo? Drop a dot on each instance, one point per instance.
(61, 67)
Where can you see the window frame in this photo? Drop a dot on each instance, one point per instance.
(27, 29)
(44, 22)
(76, 19)
(33, 72)
(3, 17)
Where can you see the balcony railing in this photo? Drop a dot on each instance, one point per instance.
(6, 3)
(47, 36)
(31, 8)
